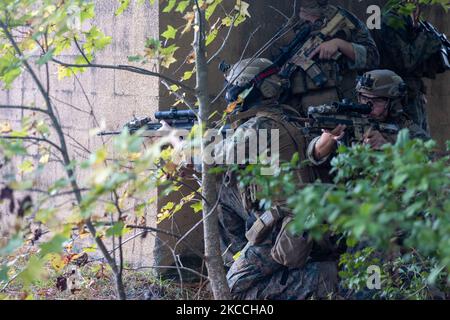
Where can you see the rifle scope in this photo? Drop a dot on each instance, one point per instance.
(175, 114)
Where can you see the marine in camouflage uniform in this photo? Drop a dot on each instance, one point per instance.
(411, 52)
(256, 275)
(386, 92)
(359, 53)
(263, 270)
(256, 113)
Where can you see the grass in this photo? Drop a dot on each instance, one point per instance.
(95, 281)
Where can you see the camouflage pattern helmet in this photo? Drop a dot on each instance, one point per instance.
(242, 73)
(382, 83)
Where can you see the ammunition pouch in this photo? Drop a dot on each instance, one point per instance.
(263, 225)
(291, 250)
(302, 82)
(338, 87)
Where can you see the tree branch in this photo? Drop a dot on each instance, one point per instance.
(33, 139)
(64, 152)
(23, 108)
(126, 68)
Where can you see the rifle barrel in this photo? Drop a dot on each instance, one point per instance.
(109, 133)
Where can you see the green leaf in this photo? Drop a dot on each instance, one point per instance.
(170, 33)
(212, 8)
(116, 230)
(4, 273)
(46, 57)
(197, 206)
(170, 6)
(187, 75)
(402, 138)
(168, 206)
(55, 245)
(211, 37)
(124, 4)
(182, 5)
(137, 58)
(13, 244)
(34, 271)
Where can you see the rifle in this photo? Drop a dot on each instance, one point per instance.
(301, 57)
(354, 116)
(445, 48)
(294, 46)
(178, 119)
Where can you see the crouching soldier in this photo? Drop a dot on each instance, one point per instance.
(274, 264)
(253, 92)
(385, 91)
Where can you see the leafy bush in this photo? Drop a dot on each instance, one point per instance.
(395, 201)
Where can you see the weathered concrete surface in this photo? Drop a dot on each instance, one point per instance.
(112, 96)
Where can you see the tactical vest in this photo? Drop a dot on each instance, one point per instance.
(341, 80)
(291, 140)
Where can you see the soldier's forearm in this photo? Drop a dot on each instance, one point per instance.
(346, 48)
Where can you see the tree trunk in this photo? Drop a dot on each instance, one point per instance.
(213, 256)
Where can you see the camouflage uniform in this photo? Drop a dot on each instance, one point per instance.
(256, 274)
(341, 74)
(260, 111)
(382, 83)
(402, 121)
(409, 52)
(235, 205)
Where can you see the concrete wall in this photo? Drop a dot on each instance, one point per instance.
(112, 96)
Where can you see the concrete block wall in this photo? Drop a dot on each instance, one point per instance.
(113, 97)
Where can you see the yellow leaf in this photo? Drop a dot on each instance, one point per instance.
(5, 127)
(167, 61)
(242, 7)
(26, 166)
(233, 106)
(122, 199)
(189, 17)
(57, 262)
(44, 158)
(134, 156)
(237, 255)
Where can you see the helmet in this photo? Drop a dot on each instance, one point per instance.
(247, 74)
(381, 83)
(384, 83)
(313, 6)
